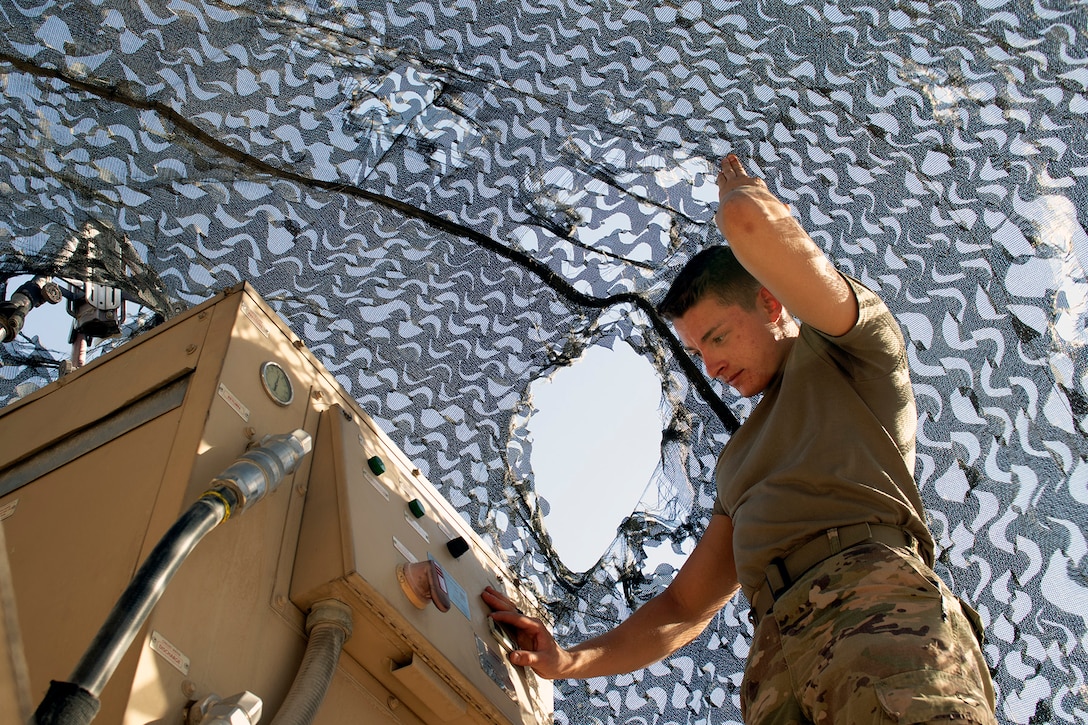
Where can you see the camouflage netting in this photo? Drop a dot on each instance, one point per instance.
(450, 200)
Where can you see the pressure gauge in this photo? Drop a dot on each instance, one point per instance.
(277, 383)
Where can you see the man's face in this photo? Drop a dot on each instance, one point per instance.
(744, 348)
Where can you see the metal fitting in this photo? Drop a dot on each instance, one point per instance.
(330, 612)
(32, 293)
(242, 709)
(261, 469)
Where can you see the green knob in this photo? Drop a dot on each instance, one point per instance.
(417, 508)
(377, 465)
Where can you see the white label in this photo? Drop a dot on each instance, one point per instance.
(404, 551)
(8, 509)
(233, 402)
(257, 322)
(415, 525)
(379, 488)
(169, 652)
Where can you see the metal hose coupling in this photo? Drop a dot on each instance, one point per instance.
(261, 469)
(330, 613)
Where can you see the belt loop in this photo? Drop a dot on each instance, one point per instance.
(778, 570)
(833, 540)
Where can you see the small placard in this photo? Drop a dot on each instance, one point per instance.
(8, 509)
(404, 551)
(457, 593)
(415, 525)
(494, 665)
(233, 402)
(378, 487)
(255, 319)
(169, 652)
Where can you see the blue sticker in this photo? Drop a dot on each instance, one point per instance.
(457, 593)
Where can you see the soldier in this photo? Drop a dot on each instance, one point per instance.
(818, 518)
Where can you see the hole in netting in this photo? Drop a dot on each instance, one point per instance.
(596, 436)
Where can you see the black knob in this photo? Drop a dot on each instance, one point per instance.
(457, 546)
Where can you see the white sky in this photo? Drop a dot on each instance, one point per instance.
(596, 434)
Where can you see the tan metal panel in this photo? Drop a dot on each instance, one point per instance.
(147, 365)
(115, 475)
(74, 540)
(15, 700)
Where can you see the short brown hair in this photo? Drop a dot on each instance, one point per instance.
(713, 271)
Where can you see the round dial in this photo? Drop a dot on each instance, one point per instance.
(277, 383)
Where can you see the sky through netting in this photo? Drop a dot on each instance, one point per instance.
(450, 200)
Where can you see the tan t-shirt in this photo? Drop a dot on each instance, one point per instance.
(830, 444)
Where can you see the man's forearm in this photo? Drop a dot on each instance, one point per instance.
(778, 252)
(654, 631)
(706, 581)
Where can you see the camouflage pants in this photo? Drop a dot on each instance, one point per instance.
(870, 635)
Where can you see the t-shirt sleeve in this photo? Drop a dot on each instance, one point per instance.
(872, 348)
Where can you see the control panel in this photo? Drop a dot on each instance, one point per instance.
(376, 534)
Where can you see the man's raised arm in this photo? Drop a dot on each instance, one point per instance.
(777, 251)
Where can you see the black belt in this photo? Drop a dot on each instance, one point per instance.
(782, 572)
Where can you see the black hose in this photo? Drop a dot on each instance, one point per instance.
(66, 704)
(76, 702)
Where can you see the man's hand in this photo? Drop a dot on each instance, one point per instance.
(537, 649)
(736, 189)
